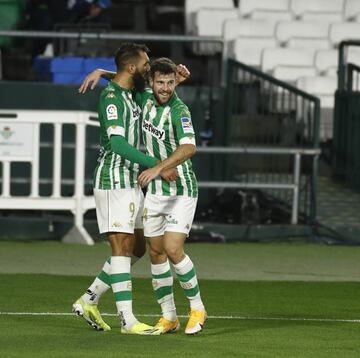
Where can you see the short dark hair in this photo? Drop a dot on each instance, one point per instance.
(128, 51)
(163, 65)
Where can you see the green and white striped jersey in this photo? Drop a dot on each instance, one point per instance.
(118, 115)
(164, 129)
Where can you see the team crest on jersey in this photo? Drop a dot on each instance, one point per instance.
(155, 132)
(111, 112)
(187, 125)
(110, 95)
(148, 105)
(136, 113)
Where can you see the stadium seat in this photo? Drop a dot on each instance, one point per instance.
(292, 73)
(191, 6)
(67, 70)
(271, 16)
(326, 61)
(248, 49)
(310, 44)
(343, 31)
(10, 16)
(247, 7)
(352, 10)
(90, 64)
(68, 78)
(300, 7)
(234, 28)
(209, 22)
(67, 65)
(323, 88)
(272, 57)
(353, 55)
(286, 30)
(322, 17)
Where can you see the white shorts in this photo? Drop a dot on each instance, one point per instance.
(119, 210)
(168, 213)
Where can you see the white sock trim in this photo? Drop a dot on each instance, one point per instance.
(158, 269)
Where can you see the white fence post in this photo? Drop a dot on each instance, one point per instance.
(78, 234)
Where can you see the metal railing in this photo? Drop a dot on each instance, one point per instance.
(20, 142)
(78, 203)
(171, 39)
(346, 157)
(265, 112)
(293, 185)
(346, 70)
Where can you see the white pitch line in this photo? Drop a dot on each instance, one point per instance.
(241, 318)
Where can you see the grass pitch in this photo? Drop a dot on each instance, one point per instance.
(247, 318)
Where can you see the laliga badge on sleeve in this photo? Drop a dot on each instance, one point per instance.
(187, 125)
(111, 112)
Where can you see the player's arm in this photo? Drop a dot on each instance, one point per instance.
(120, 146)
(181, 154)
(111, 110)
(93, 78)
(187, 148)
(182, 74)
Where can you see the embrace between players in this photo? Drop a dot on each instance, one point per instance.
(126, 111)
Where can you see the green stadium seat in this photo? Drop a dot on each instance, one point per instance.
(10, 17)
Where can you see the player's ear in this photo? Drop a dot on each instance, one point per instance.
(131, 68)
(151, 81)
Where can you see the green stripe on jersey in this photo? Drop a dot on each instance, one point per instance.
(162, 130)
(118, 115)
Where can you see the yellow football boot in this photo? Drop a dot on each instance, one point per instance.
(141, 329)
(91, 315)
(196, 321)
(166, 326)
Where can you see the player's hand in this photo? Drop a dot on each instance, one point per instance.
(148, 175)
(90, 80)
(182, 74)
(169, 174)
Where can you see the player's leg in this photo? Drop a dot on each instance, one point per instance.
(163, 281)
(124, 209)
(86, 305)
(162, 278)
(102, 284)
(178, 225)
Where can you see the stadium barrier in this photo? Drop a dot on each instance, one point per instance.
(346, 157)
(20, 142)
(276, 116)
(171, 40)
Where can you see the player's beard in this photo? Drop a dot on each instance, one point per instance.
(160, 100)
(139, 82)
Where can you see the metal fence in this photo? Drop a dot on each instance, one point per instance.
(207, 69)
(268, 113)
(346, 148)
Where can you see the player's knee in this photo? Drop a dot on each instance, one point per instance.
(175, 254)
(157, 255)
(122, 244)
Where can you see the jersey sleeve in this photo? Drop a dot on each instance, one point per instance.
(112, 111)
(184, 130)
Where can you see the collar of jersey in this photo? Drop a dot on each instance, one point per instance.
(116, 86)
